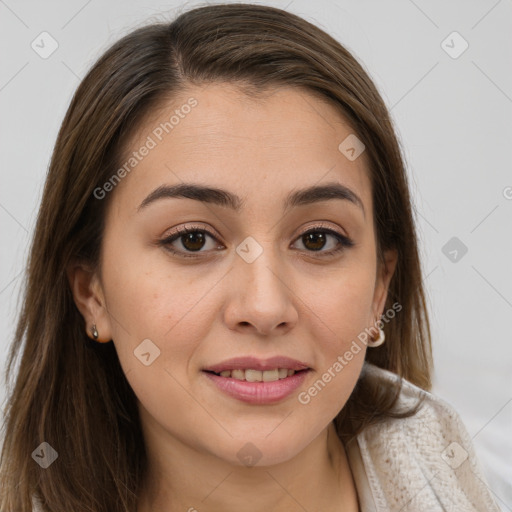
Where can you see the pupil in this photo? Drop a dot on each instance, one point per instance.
(318, 240)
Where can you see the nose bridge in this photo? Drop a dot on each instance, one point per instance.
(260, 264)
(261, 294)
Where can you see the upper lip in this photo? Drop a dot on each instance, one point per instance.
(253, 363)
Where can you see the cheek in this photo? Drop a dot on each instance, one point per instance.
(340, 312)
(343, 304)
(160, 313)
(148, 299)
(148, 296)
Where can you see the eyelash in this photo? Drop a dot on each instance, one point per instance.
(344, 242)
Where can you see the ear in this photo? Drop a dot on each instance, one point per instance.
(90, 300)
(385, 271)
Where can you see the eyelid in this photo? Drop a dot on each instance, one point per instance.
(322, 226)
(192, 227)
(184, 229)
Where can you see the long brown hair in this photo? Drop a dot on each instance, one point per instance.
(71, 392)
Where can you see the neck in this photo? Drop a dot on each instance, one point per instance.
(184, 479)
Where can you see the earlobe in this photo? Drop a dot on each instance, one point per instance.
(89, 299)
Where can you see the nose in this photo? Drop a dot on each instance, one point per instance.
(261, 297)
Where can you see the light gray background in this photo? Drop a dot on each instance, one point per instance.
(453, 115)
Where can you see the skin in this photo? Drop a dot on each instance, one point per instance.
(290, 301)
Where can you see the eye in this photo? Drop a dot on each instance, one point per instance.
(191, 239)
(317, 238)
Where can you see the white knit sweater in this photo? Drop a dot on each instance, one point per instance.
(424, 463)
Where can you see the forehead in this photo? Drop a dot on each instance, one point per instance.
(258, 147)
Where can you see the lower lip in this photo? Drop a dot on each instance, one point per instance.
(258, 392)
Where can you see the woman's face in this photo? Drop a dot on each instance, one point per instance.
(247, 283)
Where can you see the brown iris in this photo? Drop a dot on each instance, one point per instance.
(193, 241)
(317, 240)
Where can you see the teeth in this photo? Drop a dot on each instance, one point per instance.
(258, 375)
(253, 375)
(270, 375)
(238, 374)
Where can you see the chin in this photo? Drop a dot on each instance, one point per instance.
(266, 449)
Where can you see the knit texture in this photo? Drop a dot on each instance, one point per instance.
(424, 463)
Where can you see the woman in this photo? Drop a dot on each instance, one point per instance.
(224, 306)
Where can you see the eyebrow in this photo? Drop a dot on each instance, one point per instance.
(217, 196)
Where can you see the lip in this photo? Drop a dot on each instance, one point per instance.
(253, 363)
(258, 393)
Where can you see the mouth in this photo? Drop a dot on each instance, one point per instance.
(258, 381)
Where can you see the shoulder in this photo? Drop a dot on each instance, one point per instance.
(425, 461)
